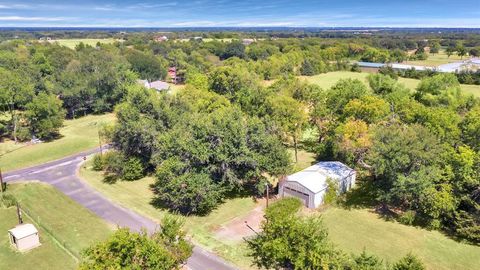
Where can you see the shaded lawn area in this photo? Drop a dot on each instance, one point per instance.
(77, 135)
(358, 229)
(70, 224)
(327, 80)
(136, 195)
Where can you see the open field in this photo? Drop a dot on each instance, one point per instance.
(327, 80)
(137, 196)
(354, 230)
(70, 224)
(71, 43)
(77, 135)
(436, 60)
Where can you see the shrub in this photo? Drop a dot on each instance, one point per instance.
(407, 218)
(7, 200)
(98, 162)
(132, 169)
(409, 262)
(23, 134)
(113, 166)
(332, 192)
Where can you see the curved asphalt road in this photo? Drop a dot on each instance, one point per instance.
(62, 174)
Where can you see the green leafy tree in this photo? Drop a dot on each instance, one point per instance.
(288, 241)
(15, 93)
(45, 115)
(234, 49)
(149, 67)
(344, 91)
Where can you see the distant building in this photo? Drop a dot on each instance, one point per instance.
(310, 185)
(172, 74)
(161, 38)
(247, 41)
(24, 237)
(157, 85)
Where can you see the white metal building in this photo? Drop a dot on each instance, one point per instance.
(310, 184)
(24, 237)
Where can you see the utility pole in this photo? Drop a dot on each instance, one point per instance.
(19, 214)
(1, 182)
(100, 142)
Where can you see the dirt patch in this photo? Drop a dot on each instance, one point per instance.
(236, 229)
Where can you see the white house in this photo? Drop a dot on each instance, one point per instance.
(24, 237)
(310, 185)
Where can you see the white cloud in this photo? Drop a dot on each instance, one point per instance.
(28, 19)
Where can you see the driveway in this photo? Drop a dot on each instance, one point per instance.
(62, 174)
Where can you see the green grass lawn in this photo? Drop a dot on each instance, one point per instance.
(354, 230)
(48, 256)
(77, 135)
(136, 195)
(71, 43)
(436, 60)
(70, 224)
(327, 80)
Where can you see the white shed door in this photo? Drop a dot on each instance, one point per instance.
(288, 192)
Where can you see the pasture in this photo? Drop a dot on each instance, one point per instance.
(435, 60)
(327, 80)
(76, 135)
(71, 43)
(65, 228)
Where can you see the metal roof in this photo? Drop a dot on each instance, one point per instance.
(315, 177)
(371, 65)
(159, 85)
(24, 230)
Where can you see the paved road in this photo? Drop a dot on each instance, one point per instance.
(62, 174)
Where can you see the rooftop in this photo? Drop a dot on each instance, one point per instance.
(315, 177)
(23, 230)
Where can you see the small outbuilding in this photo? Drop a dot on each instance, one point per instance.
(310, 185)
(24, 237)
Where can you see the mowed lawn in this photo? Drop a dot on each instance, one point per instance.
(136, 195)
(327, 80)
(77, 135)
(71, 43)
(437, 59)
(62, 221)
(358, 229)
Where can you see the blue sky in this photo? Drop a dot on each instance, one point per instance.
(205, 13)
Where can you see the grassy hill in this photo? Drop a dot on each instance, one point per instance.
(65, 229)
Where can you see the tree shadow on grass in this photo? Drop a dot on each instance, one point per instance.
(362, 196)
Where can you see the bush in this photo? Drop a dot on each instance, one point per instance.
(113, 166)
(407, 218)
(409, 262)
(7, 200)
(132, 169)
(331, 193)
(23, 134)
(98, 162)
